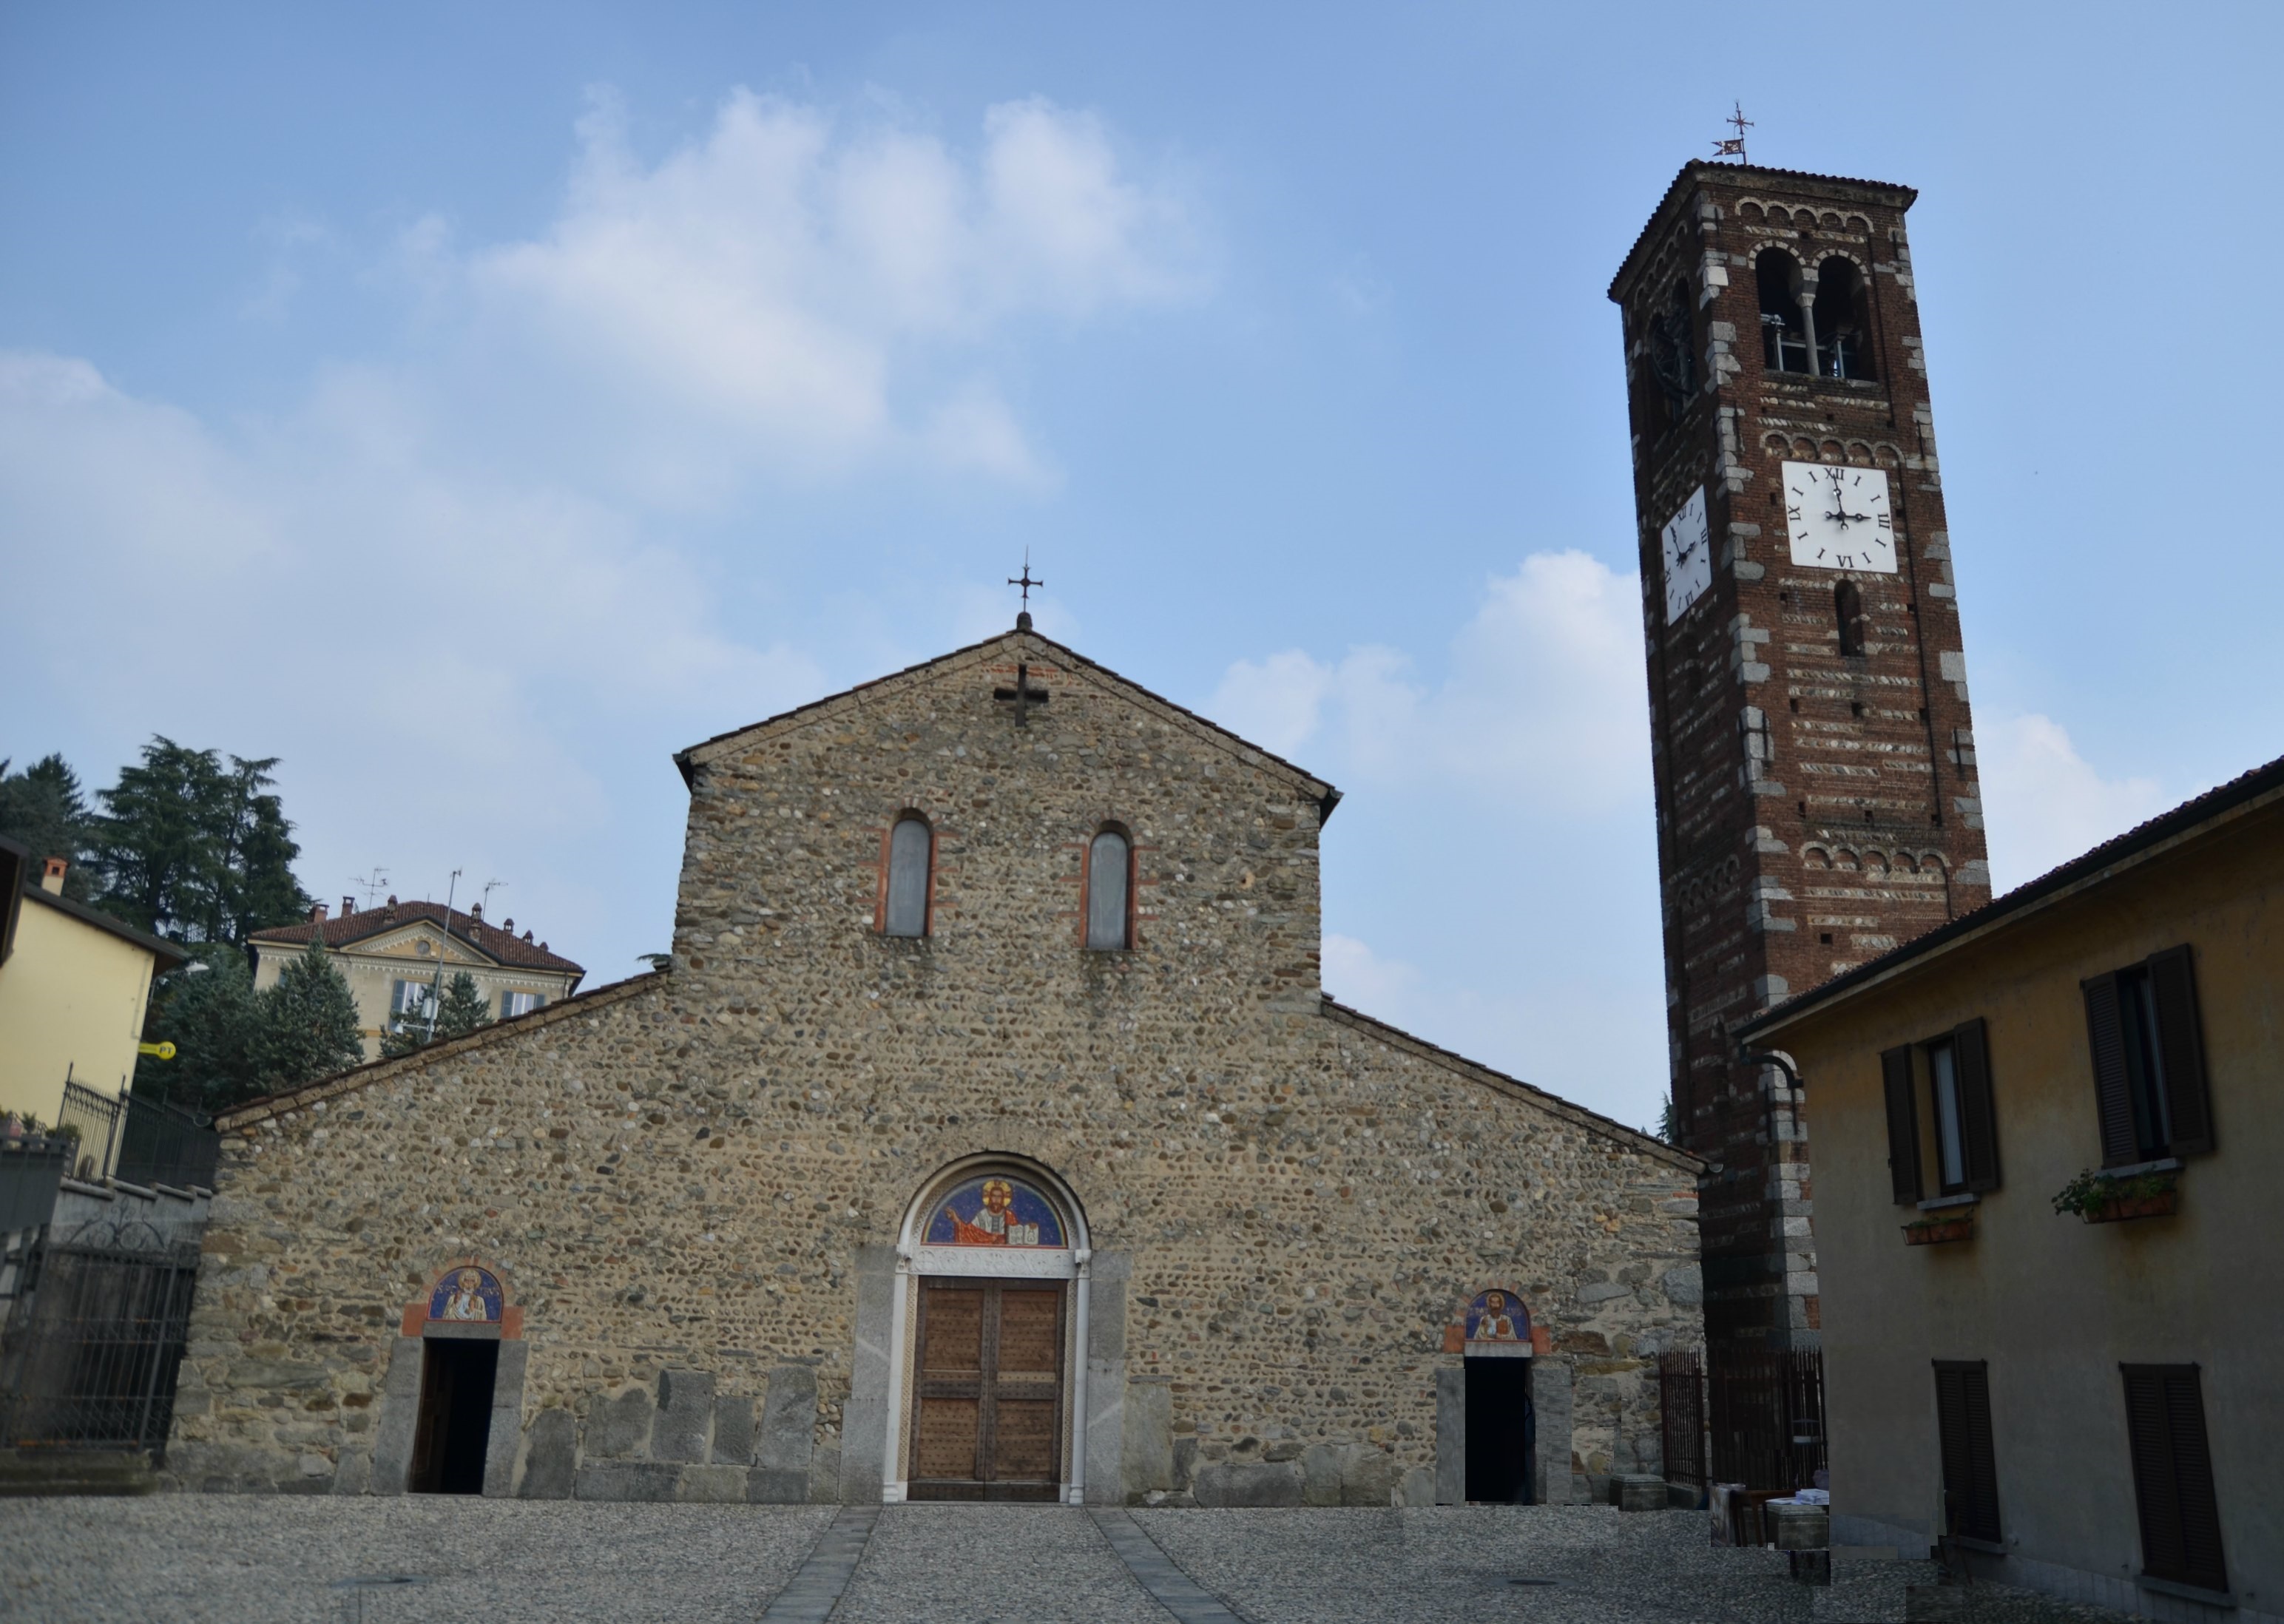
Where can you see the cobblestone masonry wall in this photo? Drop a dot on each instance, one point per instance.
(676, 1175)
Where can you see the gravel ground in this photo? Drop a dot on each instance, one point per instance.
(236, 1560)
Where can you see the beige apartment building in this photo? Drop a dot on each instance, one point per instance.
(392, 956)
(75, 984)
(2045, 1216)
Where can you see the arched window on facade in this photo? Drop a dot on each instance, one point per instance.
(1785, 345)
(911, 848)
(1848, 609)
(1109, 893)
(1844, 320)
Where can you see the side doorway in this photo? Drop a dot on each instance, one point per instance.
(453, 1430)
(987, 1422)
(1502, 1431)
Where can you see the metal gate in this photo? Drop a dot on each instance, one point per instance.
(94, 1337)
(1745, 1416)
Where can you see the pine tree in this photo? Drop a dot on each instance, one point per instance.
(462, 1009)
(307, 1025)
(42, 806)
(195, 851)
(207, 1009)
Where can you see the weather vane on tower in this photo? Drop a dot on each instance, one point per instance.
(1733, 146)
(1024, 580)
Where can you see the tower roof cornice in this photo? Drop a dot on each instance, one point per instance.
(1739, 176)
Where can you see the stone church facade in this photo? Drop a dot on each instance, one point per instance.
(991, 1136)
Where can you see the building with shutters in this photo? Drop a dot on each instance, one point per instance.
(991, 1136)
(397, 957)
(2048, 1135)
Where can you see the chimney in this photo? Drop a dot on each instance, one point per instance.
(527, 935)
(317, 914)
(476, 912)
(348, 906)
(51, 875)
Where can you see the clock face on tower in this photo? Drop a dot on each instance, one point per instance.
(1838, 517)
(1688, 557)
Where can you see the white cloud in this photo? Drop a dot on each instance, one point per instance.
(1543, 700)
(2043, 803)
(786, 291)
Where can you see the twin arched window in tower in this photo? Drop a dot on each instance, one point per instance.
(1107, 887)
(1822, 327)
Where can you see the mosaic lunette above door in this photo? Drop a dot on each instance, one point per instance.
(467, 1293)
(1499, 1315)
(995, 1211)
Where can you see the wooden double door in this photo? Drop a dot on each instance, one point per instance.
(988, 1409)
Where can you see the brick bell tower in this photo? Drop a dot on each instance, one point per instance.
(1817, 799)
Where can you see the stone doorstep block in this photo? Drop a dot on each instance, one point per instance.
(733, 1430)
(1633, 1491)
(1222, 1483)
(1320, 1475)
(618, 1428)
(685, 1423)
(1798, 1527)
(551, 1455)
(654, 1480)
(774, 1486)
(788, 1430)
(711, 1486)
(825, 1478)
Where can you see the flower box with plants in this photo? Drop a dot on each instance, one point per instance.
(1936, 1228)
(2106, 1199)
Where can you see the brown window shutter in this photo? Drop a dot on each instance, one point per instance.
(1978, 1117)
(2181, 1051)
(1903, 1125)
(2113, 1091)
(2173, 1475)
(1970, 1463)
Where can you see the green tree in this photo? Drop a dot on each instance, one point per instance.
(42, 806)
(206, 1007)
(306, 1027)
(459, 1012)
(194, 850)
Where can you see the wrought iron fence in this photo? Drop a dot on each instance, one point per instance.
(1681, 1403)
(139, 1140)
(94, 1339)
(1744, 1416)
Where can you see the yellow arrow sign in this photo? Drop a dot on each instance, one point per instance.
(165, 1051)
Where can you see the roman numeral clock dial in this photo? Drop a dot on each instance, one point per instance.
(1839, 519)
(1687, 545)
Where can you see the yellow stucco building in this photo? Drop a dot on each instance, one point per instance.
(2048, 1137)
(75, 984)
(391, 956)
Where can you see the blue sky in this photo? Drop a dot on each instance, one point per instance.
(472, 406)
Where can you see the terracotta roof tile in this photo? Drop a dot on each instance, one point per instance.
(500, 946)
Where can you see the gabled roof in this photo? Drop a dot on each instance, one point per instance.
(2261, 786)
(1028, 646)
(501, 947)
(1554, 1105)
(167, 954)
(251, 1113)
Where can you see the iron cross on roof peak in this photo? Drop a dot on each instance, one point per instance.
(1024, 580)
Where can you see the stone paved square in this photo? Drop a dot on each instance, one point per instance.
(257, 1560)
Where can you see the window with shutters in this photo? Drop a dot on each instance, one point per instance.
(410, 1004)
(2147, 1048)
(911, 859)
(2173, 1475)
(1970, 1465)
(1958, 1108)
(1110, 891)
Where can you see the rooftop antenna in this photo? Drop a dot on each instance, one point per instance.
(374, 885)
(491, 886)
(1733, 146)
(1024, 580)
(436, 983)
